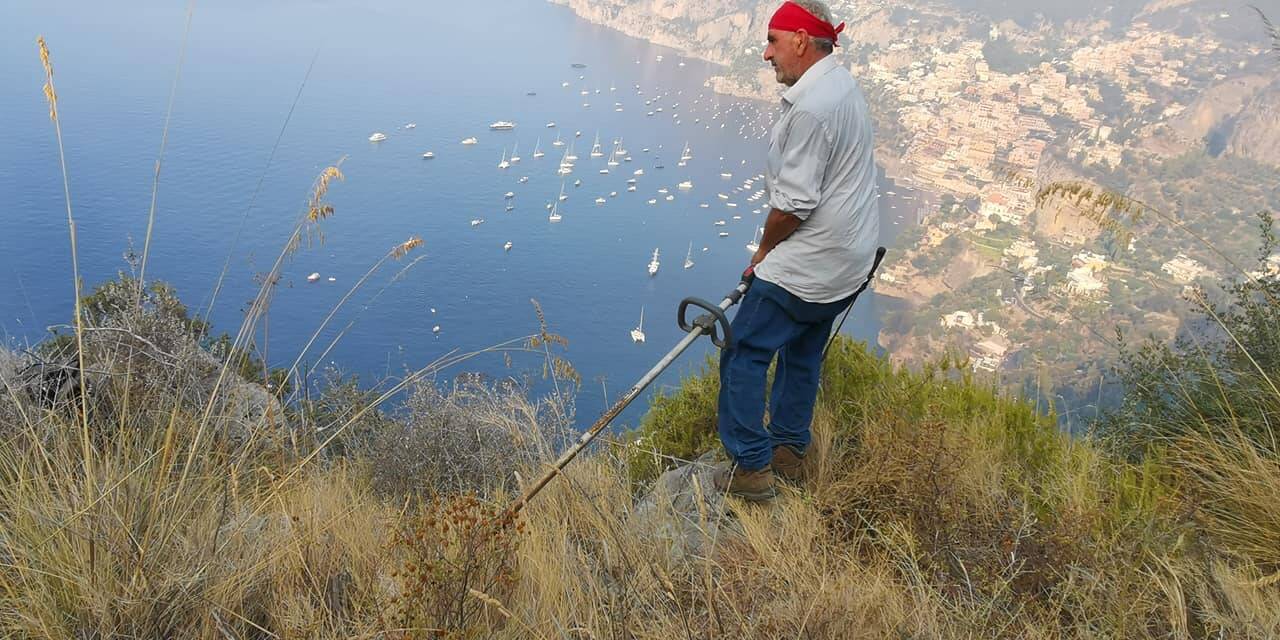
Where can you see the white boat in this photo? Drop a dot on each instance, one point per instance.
(704, 206)
(732, 205)
(477, 222)
(332, 279)
(502, 125)
(504, 164)
(685, 155)
(377, 136)
(515, 157)
(670, 198)
(653, 264)
(600, 200)
(555, 213)
(552, 125)
(507, 246)
(613, 194)
(638, 172)
(509, 195)
(726, 175)
(523, 179)
(653, 201)
(688, 258)
(631, 188)
(686, 185)
(720, 223)
(558, 142)
(637, 334)
(537, 151)
(604, 172)
(663, 190)
(313, 277)
(724, 234)
(411, 125)
(754, 246)
(595, 148)
(577, 183)
(435, 329)
(428, 155)
(469, 141)
(562, 197)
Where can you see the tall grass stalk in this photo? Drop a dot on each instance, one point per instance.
(51, 96)
(164, 140)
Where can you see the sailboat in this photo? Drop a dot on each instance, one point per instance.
(514, 150)
(754, 246)
(685, 157)
(653, 264)
(555, 212)
(595, 147)
(537, 151)
(504, 164)
(688, 259)
(562, 197)
(566, 165)
(558, 142)
(637, 334)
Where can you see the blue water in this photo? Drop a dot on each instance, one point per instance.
(450, 69)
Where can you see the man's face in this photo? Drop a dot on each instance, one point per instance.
(783, 51)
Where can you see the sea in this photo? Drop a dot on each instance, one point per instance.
(271, 93)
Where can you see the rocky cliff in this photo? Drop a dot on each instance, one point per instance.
(714, 30)
(1256, 134)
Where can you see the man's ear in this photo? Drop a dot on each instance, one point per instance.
(801, 42)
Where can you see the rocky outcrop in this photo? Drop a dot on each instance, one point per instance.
(1256, 133)
(713, 30)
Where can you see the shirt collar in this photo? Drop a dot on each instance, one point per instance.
(808, 79)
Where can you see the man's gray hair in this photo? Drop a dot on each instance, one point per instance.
(819, 10)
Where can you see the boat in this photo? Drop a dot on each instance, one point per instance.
(515, 153)
(577, 183)
(720, 223)
(595, 148)
(670, 198)
(504, 164)
(552, 125)
(600, 200)
(754, 246)
(613, 194)
(523, 179)
(435, 329)
(555, 213)
(732, 205)
(332, 279)
(653, 264)
(469, 141)
(502, 125)
(507, 246)
(631, 188)
(704, 206)
(411, 125)
(688, 258)
(637, 334)
(578, 65)
(726, 175)
(724, 234)
(510, 207)
(509, 195)
(562, 197)
(638, 172)
(558, 142)
(537, 151)
(686, 185)
(313, 277)
(377, 136)
(604, 171)
(477, 222)
(428, 155)
(722, 196)
(653, 201)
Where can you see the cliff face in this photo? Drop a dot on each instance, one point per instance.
(1256, 134)
(714, 30)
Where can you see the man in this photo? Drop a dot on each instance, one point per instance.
(819, 243)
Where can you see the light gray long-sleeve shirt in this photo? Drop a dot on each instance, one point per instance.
(821, 169)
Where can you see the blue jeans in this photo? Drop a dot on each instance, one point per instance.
(772, 321)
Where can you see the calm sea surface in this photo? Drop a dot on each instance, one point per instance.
(452, 70)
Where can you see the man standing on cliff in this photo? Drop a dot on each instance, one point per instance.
(819, 243)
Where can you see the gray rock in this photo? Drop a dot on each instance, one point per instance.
(685, 512)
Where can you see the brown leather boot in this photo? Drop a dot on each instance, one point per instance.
(755, 486)
(788, 463)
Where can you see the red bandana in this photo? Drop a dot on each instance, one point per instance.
(793, 17)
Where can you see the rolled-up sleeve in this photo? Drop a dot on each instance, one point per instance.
(801, 162)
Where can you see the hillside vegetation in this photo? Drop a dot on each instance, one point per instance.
(937, 508)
